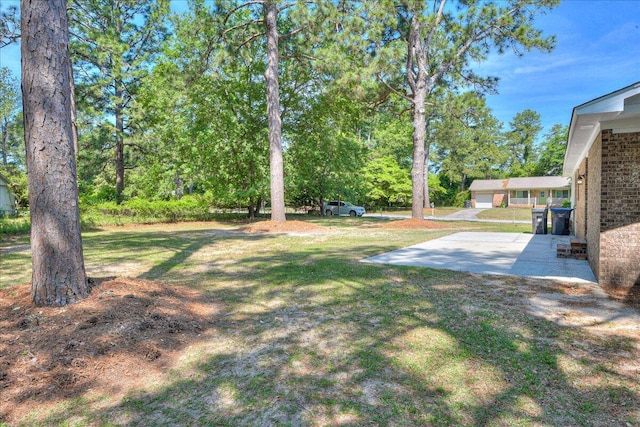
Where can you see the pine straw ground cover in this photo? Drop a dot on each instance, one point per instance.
(262, 324)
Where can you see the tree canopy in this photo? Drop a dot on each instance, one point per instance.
(244, 101)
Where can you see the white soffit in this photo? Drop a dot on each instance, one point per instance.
(619, 111)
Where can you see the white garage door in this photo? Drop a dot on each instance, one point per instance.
(484, 200)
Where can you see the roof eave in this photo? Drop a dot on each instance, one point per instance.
(586, 124)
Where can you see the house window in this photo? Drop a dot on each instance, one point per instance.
(560, 194)
(543, 194)
(524, 194)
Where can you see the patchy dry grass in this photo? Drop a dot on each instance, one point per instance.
(515, 214)
(437, 212)
(299, 332)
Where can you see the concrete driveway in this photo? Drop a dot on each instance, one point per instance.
(525, 255)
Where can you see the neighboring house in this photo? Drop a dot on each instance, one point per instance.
(603, 157)
(7, 199)
(539, 191)
(488, 193)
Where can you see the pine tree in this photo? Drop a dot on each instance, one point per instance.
(58, 274)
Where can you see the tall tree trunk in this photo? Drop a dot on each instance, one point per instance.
(273, 113)
(74, 116)
(58, 273)
(417, 80)
(427, 148)
(418, 169)
(5, 136)
(179, 186)
(258, 204)
(427, 202)
(119, 137)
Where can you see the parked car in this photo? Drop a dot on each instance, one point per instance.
(340, 207)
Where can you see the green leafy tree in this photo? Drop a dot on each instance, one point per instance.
(172, 161)
(439, 42)
(9, 25)
(325, 152)
(437, 192)
(12, 148)
(289, 32)
(387, 173)
(552, 151)
(467, 140)
(169, 100)
(10, 145)
(388, 182)
(205, 110)
(113, 45)
(520, 142)
(389, 134)
(233, 134)
(262, 23)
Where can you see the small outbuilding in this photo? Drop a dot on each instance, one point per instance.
(7, 199)
(603, 159)
(536, 191)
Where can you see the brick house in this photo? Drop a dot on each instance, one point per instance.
(603, 159)
(536, 191)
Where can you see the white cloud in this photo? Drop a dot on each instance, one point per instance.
(628, 33)
(553, 62)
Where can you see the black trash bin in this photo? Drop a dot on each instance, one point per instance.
(467, 204)
(561, 221)
(539, 220)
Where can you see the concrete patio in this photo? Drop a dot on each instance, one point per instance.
(517, 254)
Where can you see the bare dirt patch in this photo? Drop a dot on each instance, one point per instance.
(630, 296)
(127, 333)
(282, 227)
(415, 224)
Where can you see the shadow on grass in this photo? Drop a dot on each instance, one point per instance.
(15, 265)
(314, 337)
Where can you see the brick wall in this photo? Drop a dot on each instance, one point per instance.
(619, 225)
(580, 206)
(591, 199)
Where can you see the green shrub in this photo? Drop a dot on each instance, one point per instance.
(461, 197)
(14, 225)
(188, 208)
(97, 194)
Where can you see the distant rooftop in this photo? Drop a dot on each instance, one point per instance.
(543, 182)
(488, 184)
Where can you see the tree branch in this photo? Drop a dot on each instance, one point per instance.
(243, 25)
(394, 90)
(290, 34)
(237, 8)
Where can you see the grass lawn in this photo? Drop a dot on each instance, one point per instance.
(300, 332)
(437, 212)
(522, 214)
(517, 214)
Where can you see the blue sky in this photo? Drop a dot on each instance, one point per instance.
(597, 52)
